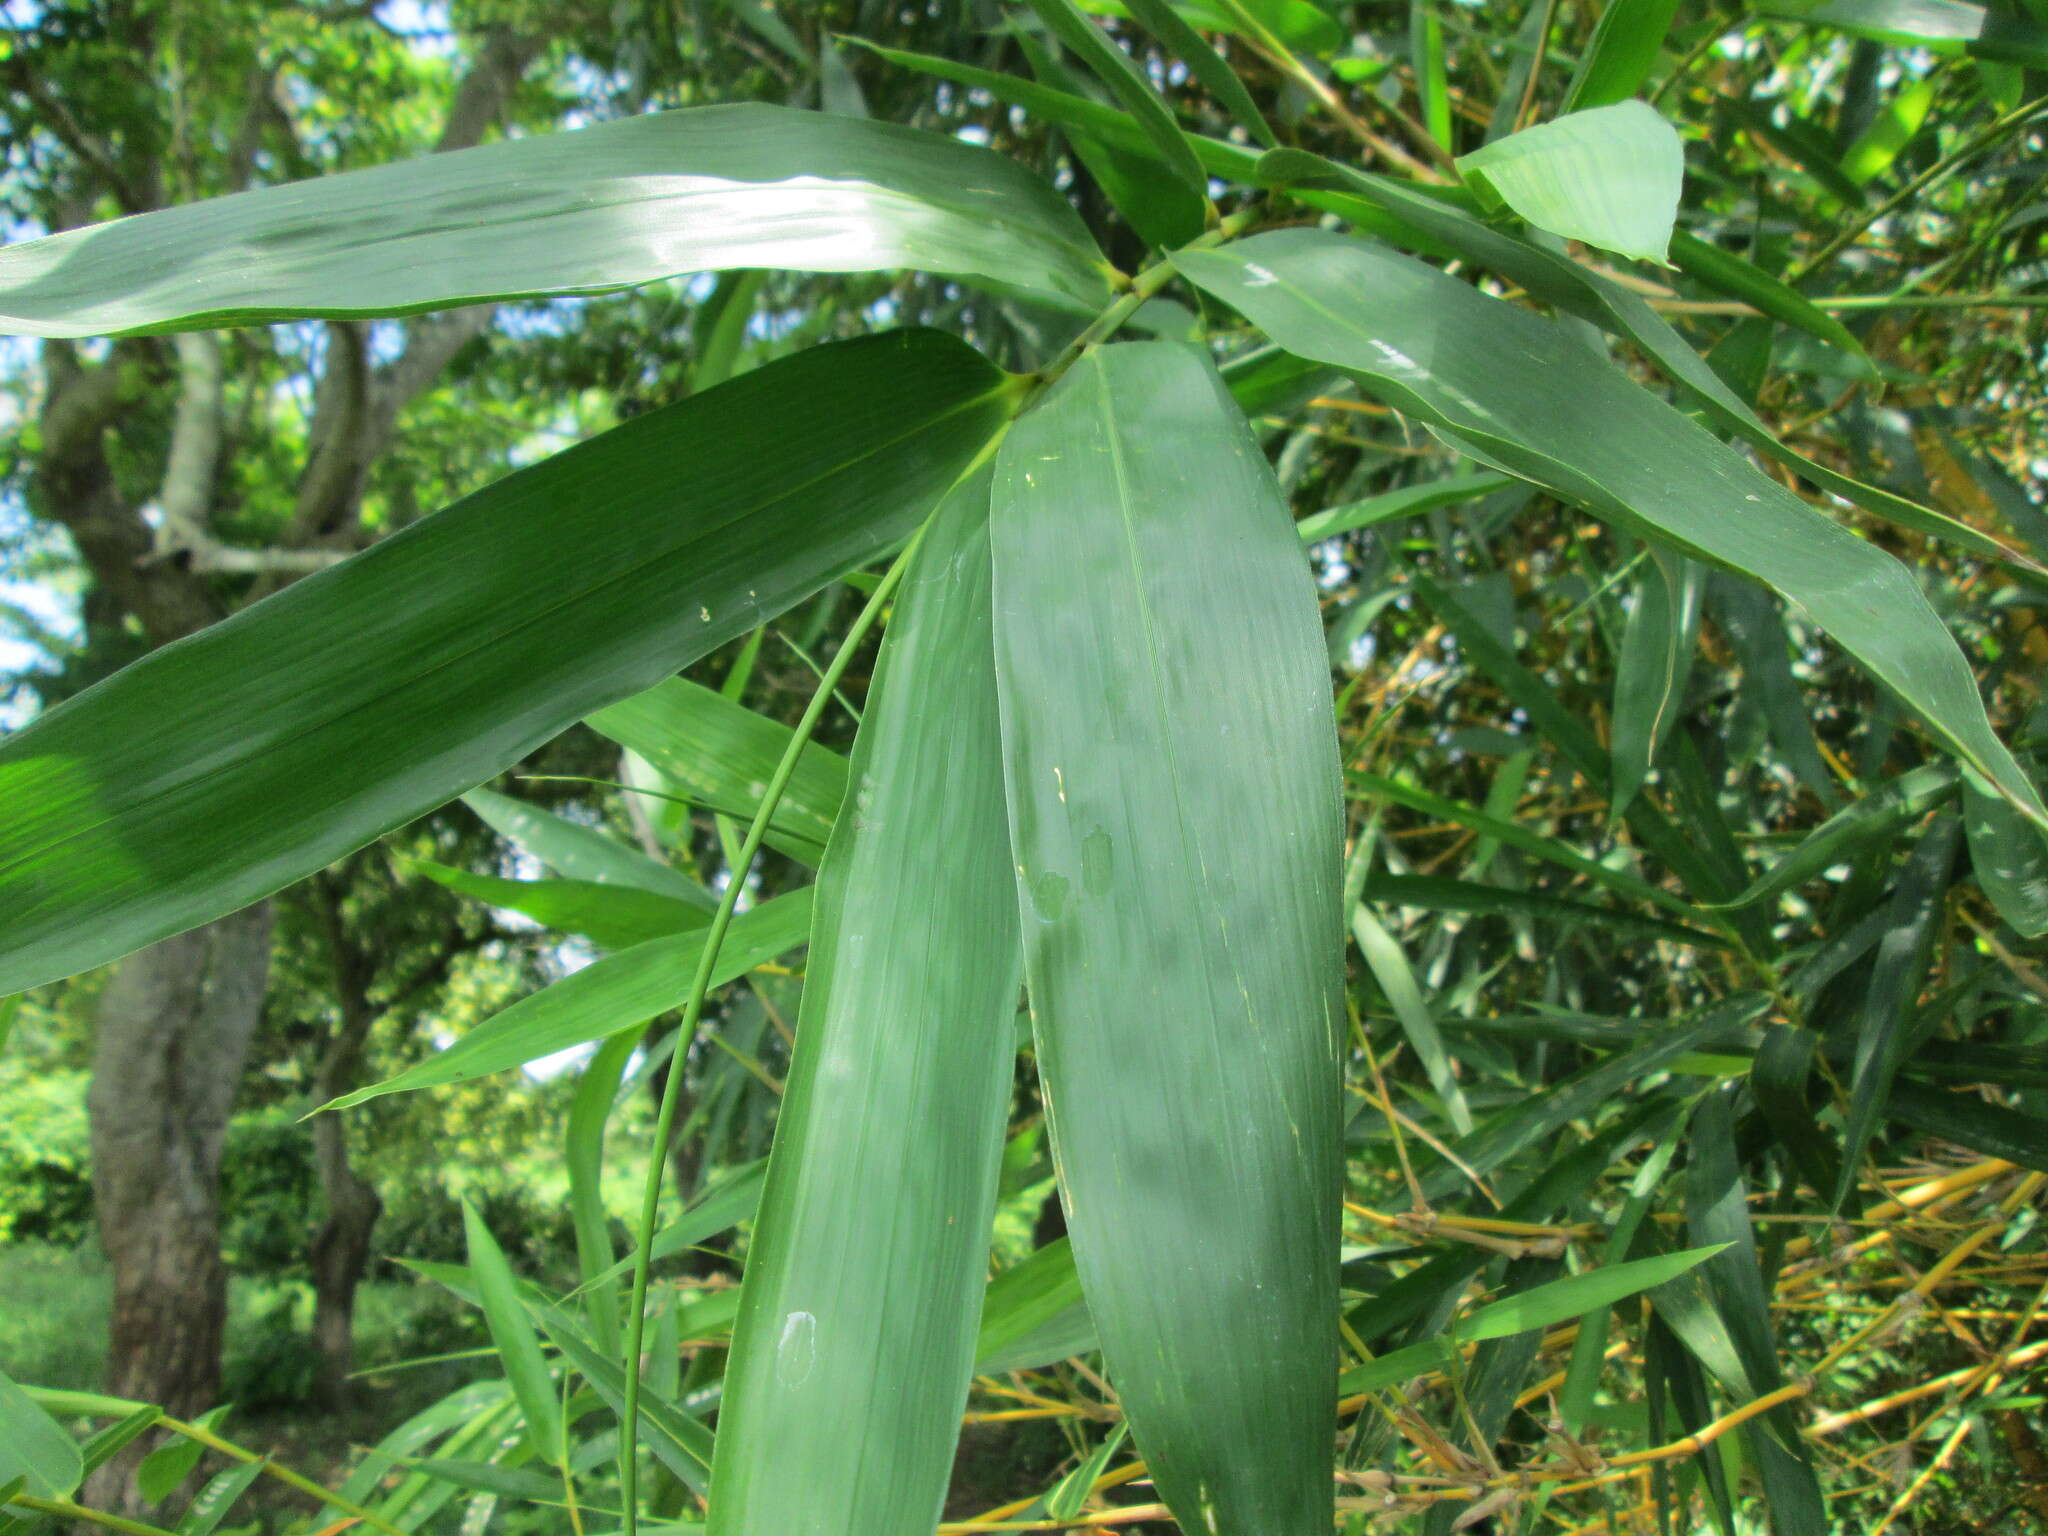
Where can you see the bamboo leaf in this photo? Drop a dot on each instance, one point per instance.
(1174, 814)
(580, 852)
(1649, 684)
(1034, 1314)
(1941, 26)
(1492, 377)
(1113, 67)
(583, 1148)
(620, 992)
(533, 1385)
(723, 754)
(211, 1504)
(1913, 918)
(856, 1332)
(2011, 866)
(1409, 501)
(1609, 176)
(595, 209)
(1389, 967)
(1409, 218)
(1205, 63)
(34, 1446)
(610, 916)
(1622, 53)
(1873, 817)
(223, 767)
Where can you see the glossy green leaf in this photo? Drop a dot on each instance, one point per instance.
(1425, 224)
(34, 1446)
(621, 991)
(2010, 865)
(1514, 390)
(1624, 50)
(581, 212)
(533, 1385)
(223, 767)
(579, 852)
(1175, 821)
(211, 1504)
(723, 754)
(1609, 176)
(856, 1333)
(1163, 210)
(610, 916)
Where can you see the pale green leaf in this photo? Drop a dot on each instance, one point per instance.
(1609, 176)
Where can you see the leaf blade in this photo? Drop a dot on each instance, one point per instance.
(586, 211)
(1131, 464)
(856, 1336)
(360, 697)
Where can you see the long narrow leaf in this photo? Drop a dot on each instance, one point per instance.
(619, 992)
(1174, 813)
(221, 768)
(581, 212)
(1513, 389)
(856, 1332)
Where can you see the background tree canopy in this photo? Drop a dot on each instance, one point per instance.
(660, 581)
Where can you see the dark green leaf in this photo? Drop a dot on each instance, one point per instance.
(610, 916)
(223, 767)
(722, 754)
(1622, 53)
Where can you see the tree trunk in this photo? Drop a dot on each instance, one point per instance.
(341, 1248)
(174, 1029)
(340, 1256)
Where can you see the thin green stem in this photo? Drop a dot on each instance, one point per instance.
(1852, 231)
(70, 1511)
(1147, 283)
(283, 1474)
(693, 1009)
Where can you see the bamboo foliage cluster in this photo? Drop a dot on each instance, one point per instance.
(1098, 758)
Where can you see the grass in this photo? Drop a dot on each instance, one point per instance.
(54, 1303)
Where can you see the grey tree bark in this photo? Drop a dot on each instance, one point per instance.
(174, 1028)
